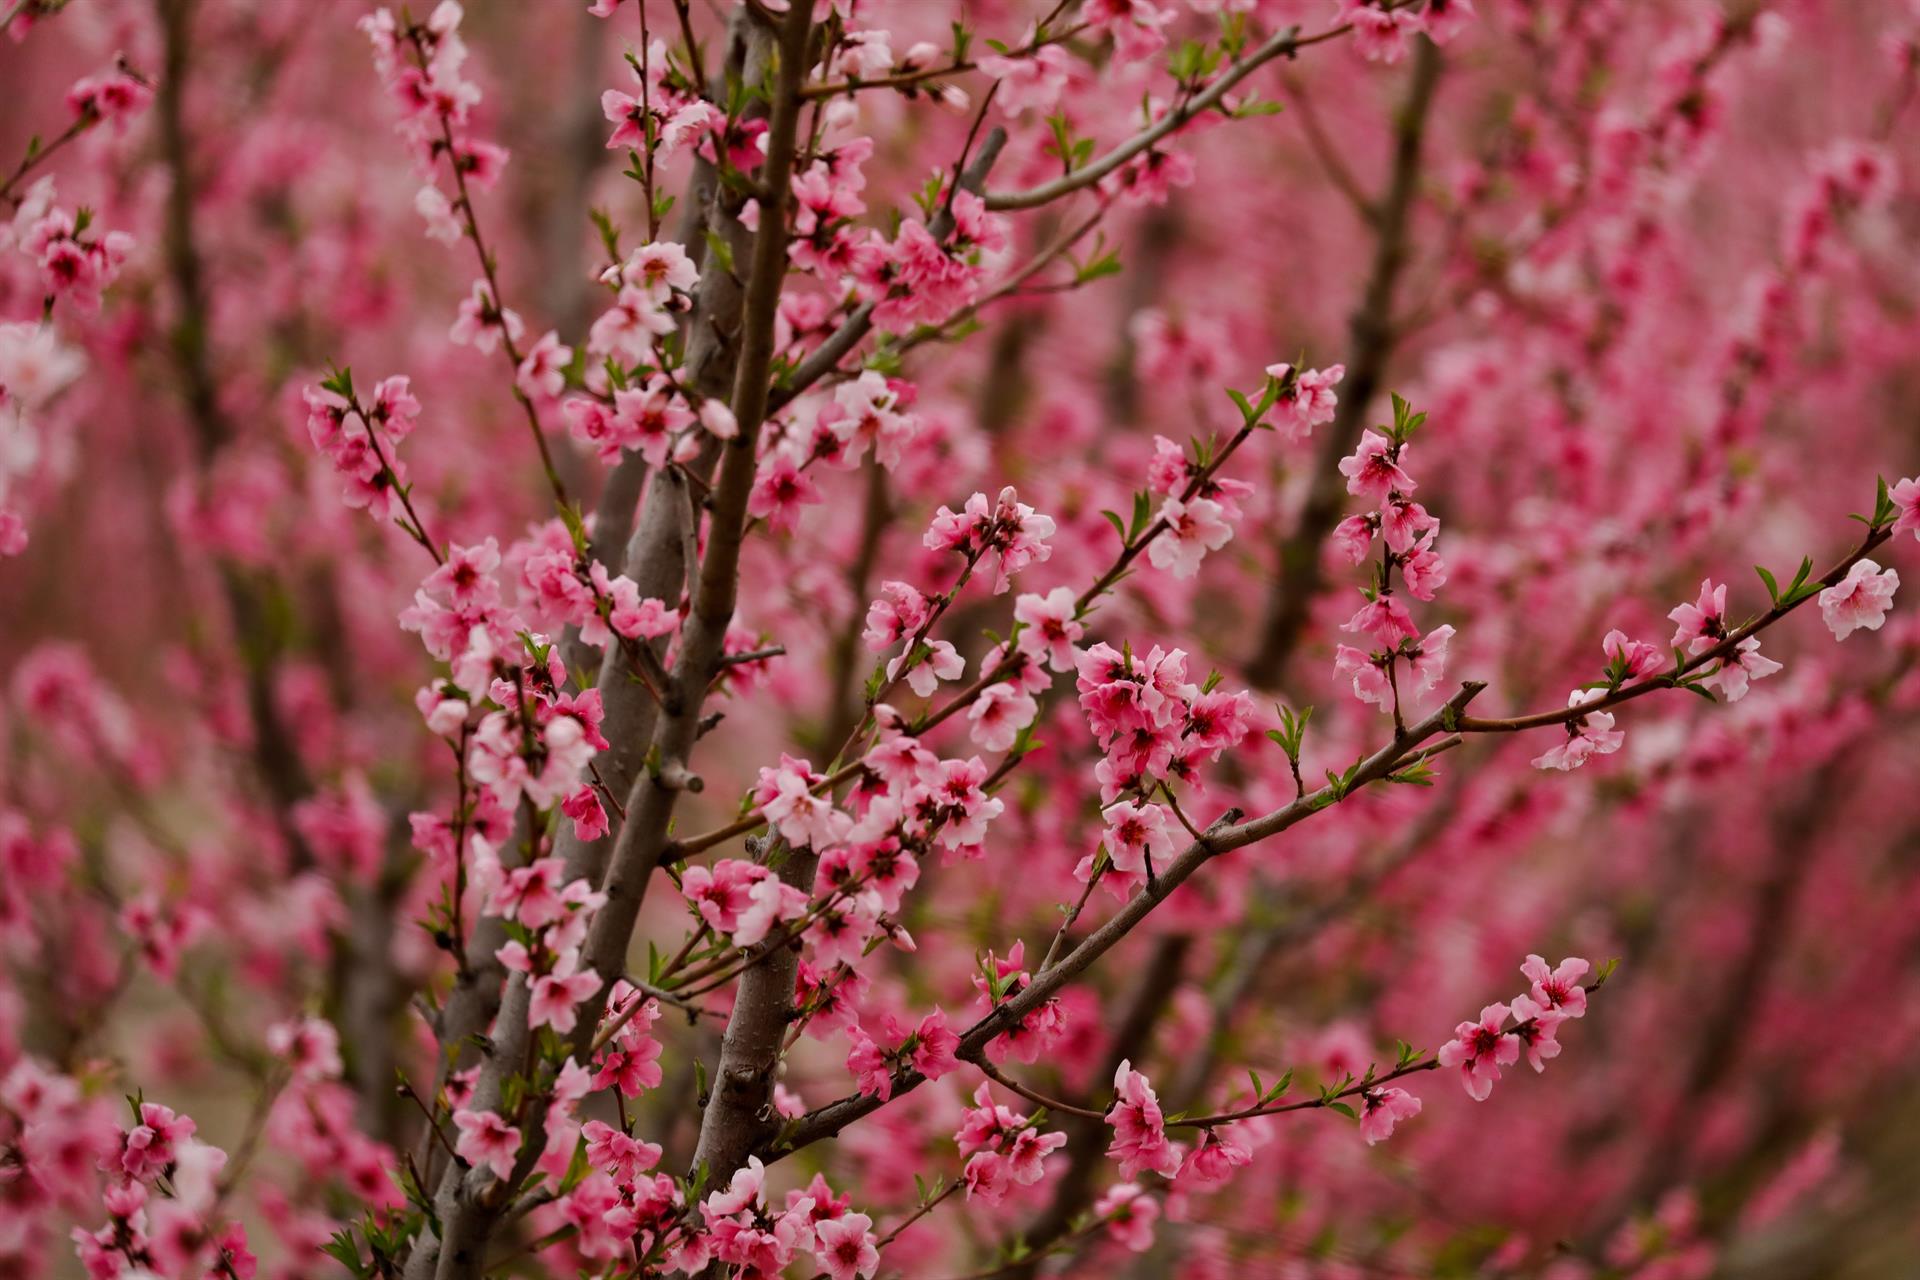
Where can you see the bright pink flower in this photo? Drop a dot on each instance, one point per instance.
(1859, 600)
(1480, 1049)
(1137, 836)
(486, 1142)
(1703, 624)
(1373, 471)
(613, 1151)
(846, 1247)
(780, 489)
(942, 662)
(1385, 619)
(1380, 35)
(482, 323)
(1213, 1160)
(1404, 523)
(1538, 1033)
(1633, 658)
(151, 1147)
(867, 1062)
(1139, 1133)
(934, 1046)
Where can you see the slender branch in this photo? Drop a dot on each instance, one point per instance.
(1283, 44)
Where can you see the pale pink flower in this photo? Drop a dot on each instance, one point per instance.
(1557, 989)
(1051, 629)
(1591, 734)
(1369, 676)
(1305, 402)
(1194, 527)
(998, 715)
(556, 996)
(1381, 1109)
(1744, 665)
(1906, 500)
(1859, 600)
(543, 371)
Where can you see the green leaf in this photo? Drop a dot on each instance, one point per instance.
(722, 251)
(1773, 588)
(1343, 1109)
(1119, 525)
(1142, 514)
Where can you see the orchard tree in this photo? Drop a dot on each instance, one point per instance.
(1034, 637)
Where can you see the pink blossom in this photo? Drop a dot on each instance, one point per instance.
(780, 489)
(1213, 1160)
(542, 373)
(1051, 627)
(1373, 471)
(1859, 600)
(1137, 836)
(1352, 538)
(998, 715)
(1633, 658)
(1554, 990)
(614, 1152)
(556, 996)
(846, 1247)
(1139, 1136)
(1701, 625)
(867, 1062)
(1368, 673)
(1734, 672)
(898, 612)
(1480, 1049)
(1385, 619)
(1588, 735)
(1906, 500)
(1129, 1214)
(1381, 1109)
(486, 1142)
(1194, 527)
(1306, 398)
(150, 1148)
